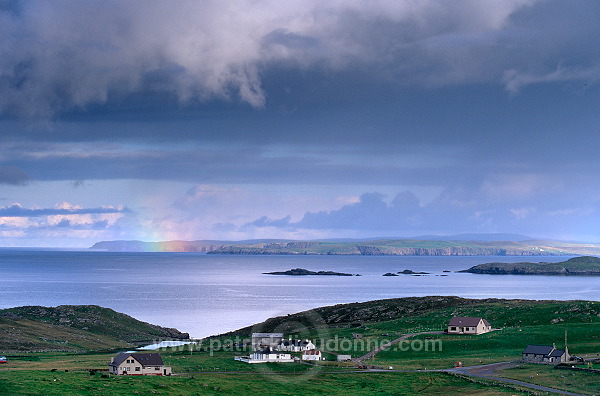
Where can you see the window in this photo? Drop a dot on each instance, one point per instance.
(156, 368)
(128, 368)
(137, 368)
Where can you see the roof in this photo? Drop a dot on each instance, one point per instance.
(267, 335)
(266, 351)
(145, 359)
(295, 342)
(539, 349)
(467, 321)
(557, 353)
(312, 352)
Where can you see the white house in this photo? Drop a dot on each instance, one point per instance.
(296, 345)
(312, 354)
(468, 325)
(138, 364)
(265, 356)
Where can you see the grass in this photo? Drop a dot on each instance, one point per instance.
(574, 381)
(81, 383)
(74, 328)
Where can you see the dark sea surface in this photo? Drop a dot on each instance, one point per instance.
(209, 294)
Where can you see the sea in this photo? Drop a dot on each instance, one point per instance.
(206, 294)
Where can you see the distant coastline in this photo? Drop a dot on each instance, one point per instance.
(381, 247)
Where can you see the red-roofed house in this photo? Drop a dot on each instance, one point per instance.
(468, 325)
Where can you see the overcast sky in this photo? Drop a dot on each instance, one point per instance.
(160, 120)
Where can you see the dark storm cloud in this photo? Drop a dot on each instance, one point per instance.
(62, 55)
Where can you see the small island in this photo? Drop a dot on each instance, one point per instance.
(585, 265)
(302, 271)
(411, 272)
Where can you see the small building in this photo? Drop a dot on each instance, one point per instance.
(343, 358)
(260, 341)
(312, 354)
(138, 364)
(468, 325)
(545, 354)
(3, 359)
(265, 356)
(295, 345)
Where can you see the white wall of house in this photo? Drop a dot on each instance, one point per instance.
(259, 357)
(479, 329)
(132, 367)
(312, 355)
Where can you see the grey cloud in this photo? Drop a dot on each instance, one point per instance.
(505, 206)
(266, 222)
(58, 56)
(17, 210)
(13, 175)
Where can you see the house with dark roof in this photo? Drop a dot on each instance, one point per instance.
(265, 356)
(468, 325)
(547, 354)
(295, 345)
(138, 364)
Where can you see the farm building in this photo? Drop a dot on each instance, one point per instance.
(547, 354)
(260, 341)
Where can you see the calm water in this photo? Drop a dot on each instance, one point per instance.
(206, 294)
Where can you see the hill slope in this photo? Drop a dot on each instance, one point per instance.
(433, 312)
(75, 328)
(585, 265)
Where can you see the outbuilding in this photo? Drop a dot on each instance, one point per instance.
(312, 354)
(547, 354)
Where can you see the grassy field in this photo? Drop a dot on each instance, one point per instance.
(575, 381)
(38, 382)
(209, 370)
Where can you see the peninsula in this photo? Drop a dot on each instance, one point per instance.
(585, 265)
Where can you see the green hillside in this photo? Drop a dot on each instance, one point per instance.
(586, 265)
(413, 314)
(75, 328)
